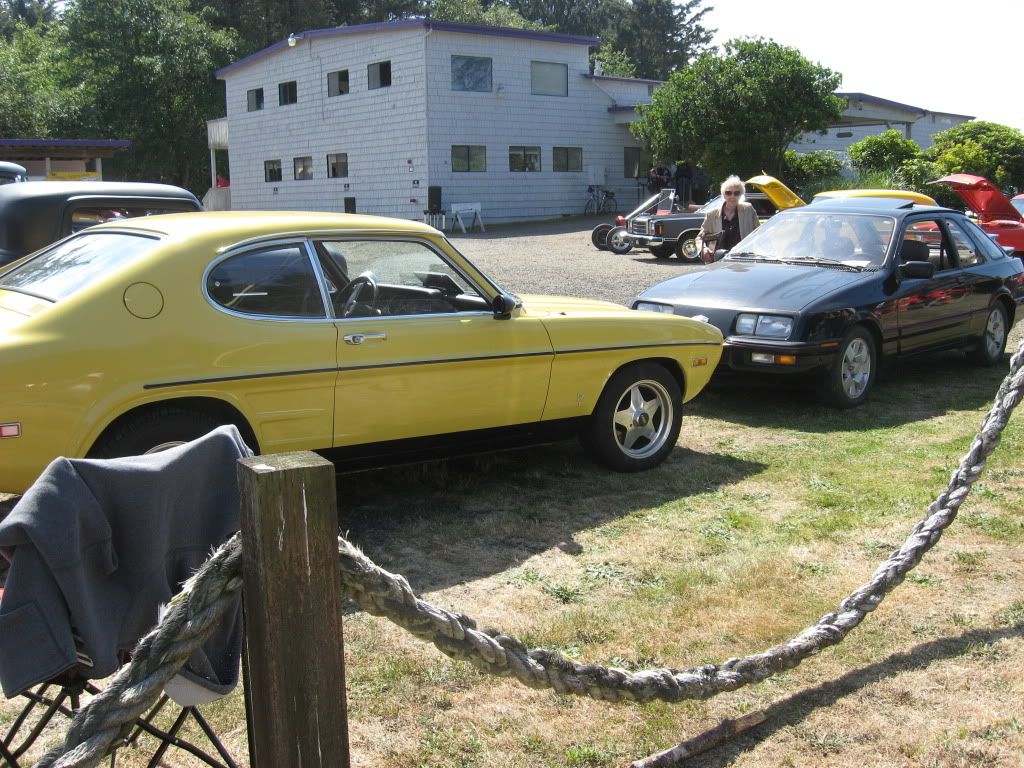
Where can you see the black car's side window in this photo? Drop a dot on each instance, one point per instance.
(962, 247)
(277, 281)
(928, 233)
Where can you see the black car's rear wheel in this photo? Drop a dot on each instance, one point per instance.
(992, 343)
(618, 241)
(853, 371)
(637, 419)
(599, 236)
(686, 248)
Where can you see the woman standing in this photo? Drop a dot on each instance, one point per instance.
(727, 224)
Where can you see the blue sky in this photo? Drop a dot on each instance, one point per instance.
(941, 55)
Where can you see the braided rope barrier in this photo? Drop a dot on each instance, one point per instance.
(99, 727)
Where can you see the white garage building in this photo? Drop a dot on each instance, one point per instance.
(367, 118)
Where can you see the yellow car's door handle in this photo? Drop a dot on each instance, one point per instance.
(359, 338)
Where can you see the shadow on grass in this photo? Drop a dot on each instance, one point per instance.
(447, 522)
(907, 391)
(795, 709)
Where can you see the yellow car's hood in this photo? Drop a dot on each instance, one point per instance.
(536, 304)
(781, 195)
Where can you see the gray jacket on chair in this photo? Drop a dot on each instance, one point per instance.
(98, 545)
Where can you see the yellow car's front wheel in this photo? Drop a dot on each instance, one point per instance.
(637, 419)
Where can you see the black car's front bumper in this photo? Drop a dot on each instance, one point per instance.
(750, 355)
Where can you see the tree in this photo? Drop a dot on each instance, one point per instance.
(31, 13)
(260, 23)
(472, 12)
(612, 63)
(662, 37)
(987, 149)
(885, 152)
(821, 167)
(148, 67)
(33, 101)
(736, 112)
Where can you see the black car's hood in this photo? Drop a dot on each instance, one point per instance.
(754, 285)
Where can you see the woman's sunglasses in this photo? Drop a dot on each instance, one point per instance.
(731, 192)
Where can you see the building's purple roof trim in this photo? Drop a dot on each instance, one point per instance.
(625, 79)
(99, 143)
(896, 104)
(627, 107)
(430, 24)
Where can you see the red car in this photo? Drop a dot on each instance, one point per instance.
(996, 215)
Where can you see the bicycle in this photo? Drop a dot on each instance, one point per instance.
(600, 200)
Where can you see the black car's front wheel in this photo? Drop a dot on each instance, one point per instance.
(687, 249)
(992, 343)
(662, 251)
(637, 419)
(853, 371)
(618, 241)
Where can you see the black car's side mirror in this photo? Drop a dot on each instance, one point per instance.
(502, 306)
(720, 254)
(916, 270)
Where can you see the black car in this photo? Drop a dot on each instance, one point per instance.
(37, 213)
(831, 288)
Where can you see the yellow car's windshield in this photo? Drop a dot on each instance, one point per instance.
(72, 264)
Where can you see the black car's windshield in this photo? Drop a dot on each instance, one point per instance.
(853, 240)
(74, 263)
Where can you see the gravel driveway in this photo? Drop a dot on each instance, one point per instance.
(557, 257)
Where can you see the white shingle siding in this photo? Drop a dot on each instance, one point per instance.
(418, 119)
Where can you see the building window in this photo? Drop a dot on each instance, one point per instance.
(635, 162)
(378, 75)
(287, 93)
(567, 158)
(271, 170)
(471, 73)
(524, 158)
(469, 157)
(337, 83)
(254, 99)
(337, 166)
(303, 168)
(549, 79)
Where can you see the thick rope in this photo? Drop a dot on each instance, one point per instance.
(191, 617)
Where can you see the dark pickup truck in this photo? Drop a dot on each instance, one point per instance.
(664, 234)
(37, 213)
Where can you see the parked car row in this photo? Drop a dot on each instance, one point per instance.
(136, 334)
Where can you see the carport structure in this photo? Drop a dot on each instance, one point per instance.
(65, 159)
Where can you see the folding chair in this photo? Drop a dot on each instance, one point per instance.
(135, 529)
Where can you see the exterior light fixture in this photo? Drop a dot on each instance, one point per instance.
(292, 39)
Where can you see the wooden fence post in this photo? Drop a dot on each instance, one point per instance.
(294, 657)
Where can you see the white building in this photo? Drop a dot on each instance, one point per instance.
(867, 115)
(367, 118)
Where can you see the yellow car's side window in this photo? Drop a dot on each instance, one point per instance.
(277, 282)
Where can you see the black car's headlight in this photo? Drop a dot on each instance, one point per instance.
(650, 306)
(771, 326)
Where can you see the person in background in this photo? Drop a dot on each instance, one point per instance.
(727, 224)
(684, 183)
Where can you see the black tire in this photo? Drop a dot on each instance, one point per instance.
(992, 342)
(618, 241)
(662, 251)
(152, 431)
(599, 236)
(853, 371)
(686, 248)
(651, 432)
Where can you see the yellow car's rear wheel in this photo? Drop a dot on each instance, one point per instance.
(156, 429)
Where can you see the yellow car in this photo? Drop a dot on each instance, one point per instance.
(888, 194)
(319, 331)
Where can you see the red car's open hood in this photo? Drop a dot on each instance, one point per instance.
(982, 196)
